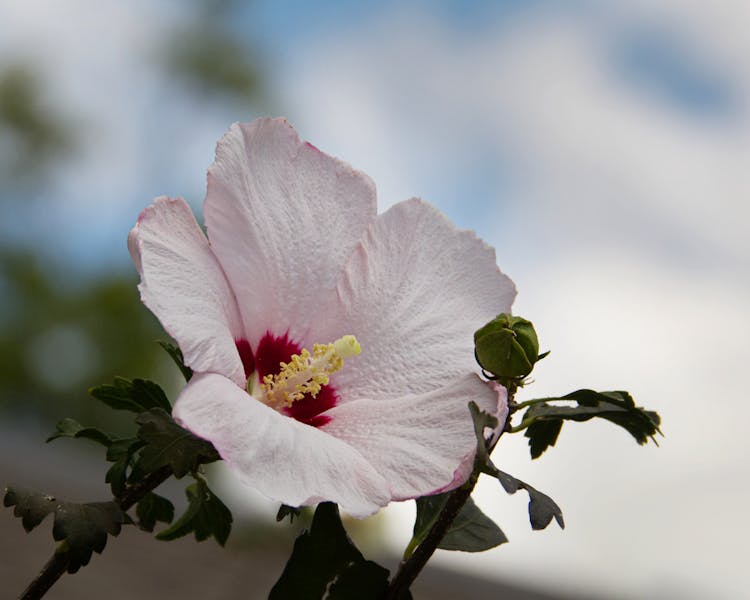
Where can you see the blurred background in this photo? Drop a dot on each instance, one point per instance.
(603, 148)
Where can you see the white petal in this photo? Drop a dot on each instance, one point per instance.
(183, 285)
(421, 444)
(413, 294)
(282, 218)
(282, 458)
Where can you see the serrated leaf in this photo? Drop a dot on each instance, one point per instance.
(84, 527)
(472, 531)
(325, 563)
(206, 516)
(176, 355)
(137, 395)
(31, 506)
(287, 511)
(73, 429)
(168, 444)
(542, 508)
(542, 435)
(121, 454)
(618, 407)
(153, 508)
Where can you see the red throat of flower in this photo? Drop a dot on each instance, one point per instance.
(267, 359)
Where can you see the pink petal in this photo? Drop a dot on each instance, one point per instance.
(183, 285)
(284, 459)
(283, 219)
(413, 294)
(423, 443)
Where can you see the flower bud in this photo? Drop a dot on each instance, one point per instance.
(507, 347)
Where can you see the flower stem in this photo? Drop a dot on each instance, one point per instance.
(410, 568)
(526, 403)
(416, 558)
(58, 562)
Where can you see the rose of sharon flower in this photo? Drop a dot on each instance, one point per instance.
(332, 347)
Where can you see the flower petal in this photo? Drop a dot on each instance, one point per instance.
(413, 293)
(284, 459)
(183, 285)
(283, 219)
(421, 444)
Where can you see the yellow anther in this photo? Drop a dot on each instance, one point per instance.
(307, 373)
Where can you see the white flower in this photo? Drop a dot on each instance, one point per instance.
(298, 268)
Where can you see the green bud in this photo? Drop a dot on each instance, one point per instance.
(507, 347)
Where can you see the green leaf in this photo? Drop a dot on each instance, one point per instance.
(325, 563)
(428, 510)
(153, 508)
(206, 516)
(543, 434)
(168, 444)
(472, 531)
(121, 454)
(545, 420)
(542, 508)
(176, 355)
(287, 511)
(83, 527)
(482, 421)
(136, 395)
(73, 429)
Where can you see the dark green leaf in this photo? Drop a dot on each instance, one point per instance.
(121, 454)
(176, 355)
(168, 444)
(325, 560)
(153, 508)
(472, 531)
(428, 510)
(542, 508)
(73, 429)
(30, 505)
(84, 527)
(482, 421)
(136, 395)
(287, 511)
(205, 516)
(366, 580)
(543, 434)
(545, 420)
(116, 477)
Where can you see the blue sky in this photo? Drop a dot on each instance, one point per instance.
(601, 147)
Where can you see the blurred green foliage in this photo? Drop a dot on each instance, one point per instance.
(61, 334)
(210, 62)
(61, 331)
(31, 134)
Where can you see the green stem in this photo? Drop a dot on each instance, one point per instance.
(409, 550)
(417, 554)
(526, 403)
(521, 426)
(412, 566)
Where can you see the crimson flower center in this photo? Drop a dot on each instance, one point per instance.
(293, 380)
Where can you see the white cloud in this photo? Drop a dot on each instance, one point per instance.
(623, 219)
(139, 134)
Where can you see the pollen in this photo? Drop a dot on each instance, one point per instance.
(307, 373)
